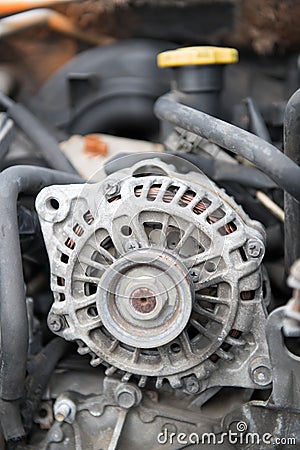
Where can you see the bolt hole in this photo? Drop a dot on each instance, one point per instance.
(126, 230)
(43, 413)
(53, 203)
(92, 311)
(175, 348)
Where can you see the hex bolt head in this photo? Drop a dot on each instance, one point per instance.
(195, 275)
(128, 395)
(262, 375)
(192, 385)
(254, 248)
(55, 323)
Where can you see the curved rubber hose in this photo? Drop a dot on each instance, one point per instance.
(264, 155)
(13, 315)
(38, 134)
(291, 206)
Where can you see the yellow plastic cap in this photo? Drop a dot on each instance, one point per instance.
(189, 56)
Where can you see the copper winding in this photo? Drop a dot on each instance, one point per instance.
(70, 243)
(88, 217)
(185, 200)
(78, 230)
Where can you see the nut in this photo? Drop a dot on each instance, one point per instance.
(143, 300)
(128, 395)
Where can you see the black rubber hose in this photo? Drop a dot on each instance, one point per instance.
(40, 371)
(291, 206)
(264, 155)
(223, 171)
(13, 315)
(38, 135)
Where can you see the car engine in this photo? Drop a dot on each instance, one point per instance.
(150, 255)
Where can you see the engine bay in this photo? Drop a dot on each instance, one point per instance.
(150, 254)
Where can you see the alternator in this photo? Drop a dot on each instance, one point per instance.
(158, 274)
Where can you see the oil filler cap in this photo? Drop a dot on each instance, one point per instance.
(200, 55)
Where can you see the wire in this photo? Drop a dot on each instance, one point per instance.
(13, 314)
(44, 142)
(270, 205)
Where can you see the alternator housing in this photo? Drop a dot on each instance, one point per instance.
(157, 274)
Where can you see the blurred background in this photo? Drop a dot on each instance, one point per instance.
(265, 28)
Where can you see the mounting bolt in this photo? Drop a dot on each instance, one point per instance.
(261, 375)
(55, 322)
(128, 395)
(111, 188)
(195, 275)
(254, 248)
(64, 410)
(131, 245)
(192, 385)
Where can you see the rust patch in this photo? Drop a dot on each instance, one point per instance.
(94, 146)
(143, 300)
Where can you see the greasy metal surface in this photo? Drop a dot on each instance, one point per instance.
(104, 420)
(279, 416)
(268, 423)
(91, 230)
(286, 383)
